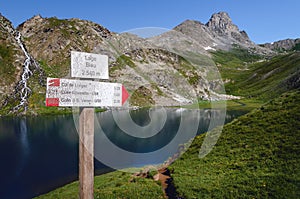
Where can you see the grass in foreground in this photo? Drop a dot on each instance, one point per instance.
(257, 156)
(111, 186)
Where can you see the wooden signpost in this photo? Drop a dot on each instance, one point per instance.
(86, 94)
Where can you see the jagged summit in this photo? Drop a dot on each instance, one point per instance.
(221, 23)
(219, 32)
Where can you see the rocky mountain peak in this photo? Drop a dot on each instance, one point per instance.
(189, 22)
(34, 19)
(221, 23)
(52, 39)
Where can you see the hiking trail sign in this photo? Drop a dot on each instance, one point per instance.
(86, 94)
(89, 65)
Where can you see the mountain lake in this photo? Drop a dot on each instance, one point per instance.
(39, 154)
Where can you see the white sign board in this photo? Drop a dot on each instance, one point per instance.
(89, 65)
(83, 93)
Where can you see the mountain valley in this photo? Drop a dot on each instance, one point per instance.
(192, 62)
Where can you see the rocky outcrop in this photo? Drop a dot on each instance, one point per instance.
(50, 40)
(221, 25)
(218, 33)
(16, 98)
(283, 45)
(11, 59)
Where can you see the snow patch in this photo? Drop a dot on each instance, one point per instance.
(181, 99)
(209, 48)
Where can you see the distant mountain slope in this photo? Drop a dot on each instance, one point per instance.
(219, 33)
(264, 79)
(284, 45)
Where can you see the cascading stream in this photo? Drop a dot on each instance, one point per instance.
(23, 83)
(22, 89)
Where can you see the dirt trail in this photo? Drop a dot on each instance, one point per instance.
(164, 176)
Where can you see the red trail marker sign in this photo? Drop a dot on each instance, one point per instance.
(86, 93)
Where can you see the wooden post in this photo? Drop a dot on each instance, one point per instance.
(86, 153)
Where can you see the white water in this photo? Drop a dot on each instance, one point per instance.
(22, 86)
(23, 83)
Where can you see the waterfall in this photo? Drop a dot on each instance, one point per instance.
(22, 85)
(30, 66)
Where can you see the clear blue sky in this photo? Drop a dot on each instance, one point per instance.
(263, 20)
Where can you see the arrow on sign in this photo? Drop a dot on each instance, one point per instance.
(83, 93)
(125, 95)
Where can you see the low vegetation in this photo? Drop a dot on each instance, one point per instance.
(7, 69)
(257, 156)
(231, 63)
(113, 185)
(255, 77)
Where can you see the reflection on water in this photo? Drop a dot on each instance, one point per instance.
(39, 154)
(24, 145)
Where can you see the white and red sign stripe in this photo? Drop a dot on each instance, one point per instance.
(68, 92)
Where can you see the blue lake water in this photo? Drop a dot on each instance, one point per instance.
(39, 154)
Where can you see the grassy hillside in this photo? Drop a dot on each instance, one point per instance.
(7, 70)
(231, 63)
(251, 76)
(111, 186)
(257, 156)
(268, 79)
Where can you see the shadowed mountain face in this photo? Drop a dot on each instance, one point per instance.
(175, 68)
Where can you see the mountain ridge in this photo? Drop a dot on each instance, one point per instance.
(219, 33)
(283, 45)
(50, 40)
